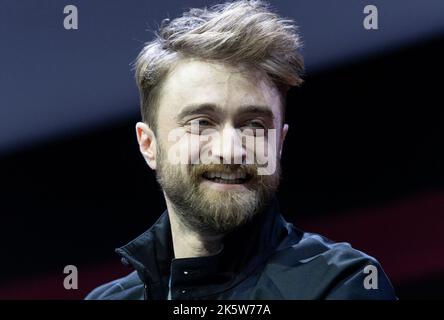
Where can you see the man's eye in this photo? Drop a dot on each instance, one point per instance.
(200, 122)
(253, 128)
(203, 122)
(255, 125)
(197, 126)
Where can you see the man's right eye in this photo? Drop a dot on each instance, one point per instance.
(201, 122)
(197, 126)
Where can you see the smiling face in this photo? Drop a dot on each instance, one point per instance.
(223, 102)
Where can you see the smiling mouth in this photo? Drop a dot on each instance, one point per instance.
(227, 178)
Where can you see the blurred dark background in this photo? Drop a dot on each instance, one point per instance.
(363, 161)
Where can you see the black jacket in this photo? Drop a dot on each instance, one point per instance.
(266, 259)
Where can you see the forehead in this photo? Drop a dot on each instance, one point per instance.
(194, 82)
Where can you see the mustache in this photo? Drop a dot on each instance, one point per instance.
(250, 170)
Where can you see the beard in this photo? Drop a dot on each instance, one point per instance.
(209, 211)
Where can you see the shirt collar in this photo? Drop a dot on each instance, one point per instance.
(151, 254)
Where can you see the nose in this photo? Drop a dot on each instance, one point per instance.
(228, 147)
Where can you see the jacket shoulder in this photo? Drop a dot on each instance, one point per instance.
(318, 268)
(129, 287)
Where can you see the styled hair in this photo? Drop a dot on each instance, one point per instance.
(242, 32)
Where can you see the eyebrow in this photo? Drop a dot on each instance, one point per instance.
(213, 108)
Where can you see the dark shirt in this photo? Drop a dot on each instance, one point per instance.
(268, 258)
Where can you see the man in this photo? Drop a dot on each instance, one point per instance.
(213, 86)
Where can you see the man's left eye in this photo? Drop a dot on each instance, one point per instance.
(255, 124)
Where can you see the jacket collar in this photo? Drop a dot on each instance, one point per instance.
(151, 254)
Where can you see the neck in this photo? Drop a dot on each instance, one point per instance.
(188, 243)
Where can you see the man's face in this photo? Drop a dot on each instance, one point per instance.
(217, 188)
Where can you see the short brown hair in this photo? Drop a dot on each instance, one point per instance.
(240, 32)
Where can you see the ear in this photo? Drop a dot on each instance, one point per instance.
(283, 135)
(147, 144)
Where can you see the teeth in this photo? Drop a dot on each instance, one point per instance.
(226, 176)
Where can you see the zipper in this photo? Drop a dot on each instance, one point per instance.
(145, 291)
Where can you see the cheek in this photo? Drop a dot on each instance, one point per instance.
(267, 147)
(176, 147)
